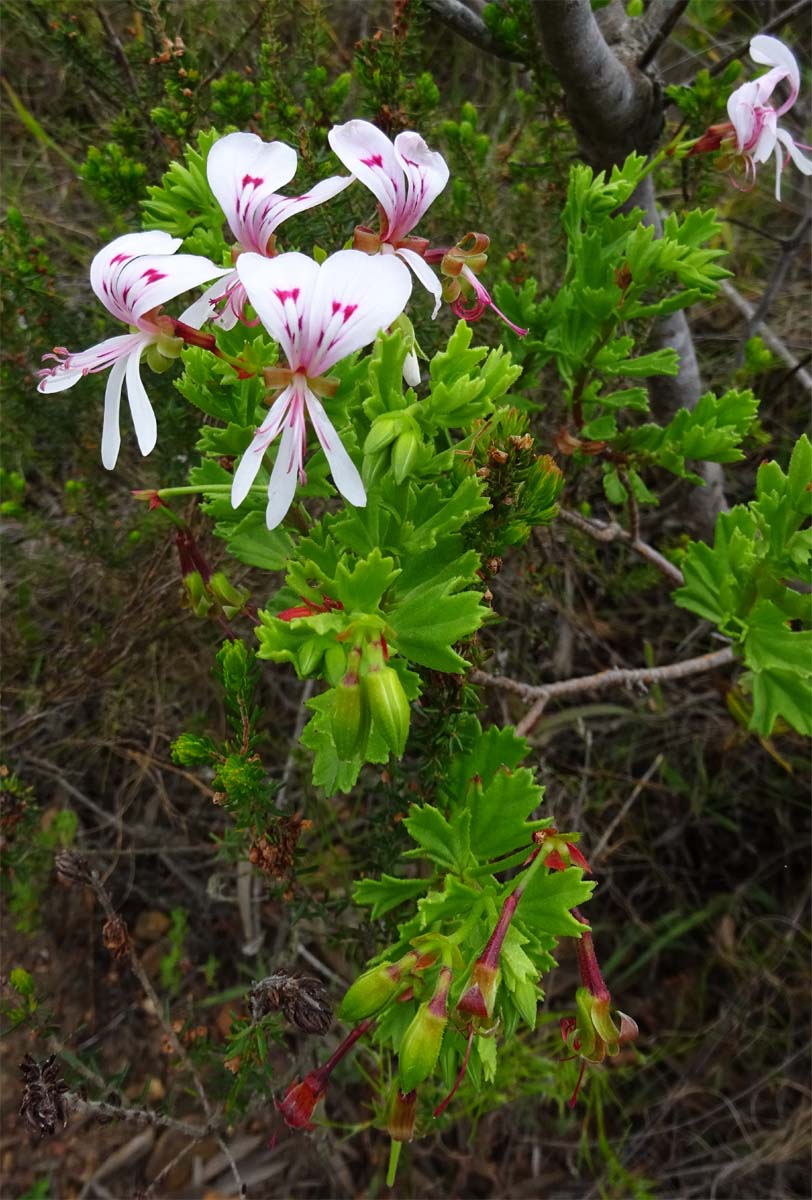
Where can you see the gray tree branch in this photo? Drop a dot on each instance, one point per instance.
(468, 24)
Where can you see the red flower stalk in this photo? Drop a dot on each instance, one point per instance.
(478, 1000)
(308, 609)
(300, 1098)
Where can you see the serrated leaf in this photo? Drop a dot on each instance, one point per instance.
(257, 546)
(425, 626)
(362, 587)
(446, 844)
(386, 893)
(548, 899)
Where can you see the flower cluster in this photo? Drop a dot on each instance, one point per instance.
(753, 133)
(318, 313)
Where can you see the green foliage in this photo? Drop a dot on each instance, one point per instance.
(183, 204)
(744, 584)
(114, 176)
(29, 841)
(171, 962)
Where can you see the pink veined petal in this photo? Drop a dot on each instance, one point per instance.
(425, 275)
(281, 290)
(112, 257)
(765, 145)
(143, 415)
(427, 173)
(342, 468)
(111, 432)
(277, 209)
(251, 461)
(244, 173)
(769, 51)
(149, 282)
(288, 466)
(356, 295)
(740, 109)
(801, 161)
(369, 154)
(87, 362)
(204, 309)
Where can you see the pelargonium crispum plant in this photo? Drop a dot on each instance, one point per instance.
(387, 487)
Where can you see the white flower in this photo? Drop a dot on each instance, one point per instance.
(244, 173)
(318, 315)
(405, 178)
(755, 122)
(132, 277)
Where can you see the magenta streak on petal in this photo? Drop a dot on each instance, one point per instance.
(152, 275)
(283, 296)
(120, 258)
(374, 161)
(336, 306)
(246, 179)
(349, 309)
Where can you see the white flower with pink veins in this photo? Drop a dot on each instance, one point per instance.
(132, 277)
(755, 122)
(405, 177)
(244, 173)
(318, 314)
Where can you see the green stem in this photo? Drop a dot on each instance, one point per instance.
(394, 1155)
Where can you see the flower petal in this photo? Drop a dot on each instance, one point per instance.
(202, 310)
(244, 172)
(146, 283)
(111, 432)
(741, 110)
(342, 468)
(113, 256)
(251, 460)
(87, 362)
(770, 52)
(411, 369)
(369, 154)
(425, 274)
(281, 290)
(287, 467)
(356, 295)
(801, 161)
(146, 429)
(427, 173)
(280, 208)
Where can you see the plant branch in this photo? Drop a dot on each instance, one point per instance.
(613, 677)
(469, 25)
(614, 107)
(793, 11)
(660, 19)
(771, 339)
(602, 531)
(100, 1110)
(790, 247)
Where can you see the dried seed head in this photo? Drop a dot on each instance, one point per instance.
(43, 1103)
(116, 938)
(302, 999)
(72, 868)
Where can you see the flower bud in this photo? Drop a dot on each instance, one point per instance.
(375, 988)
(400, 1116)
(231, 598)
(350, 718)
(299, 1101)
(161, 354)
(308, 655)
(420, 1045)
(480, 996)
(199, 599)
(404, 454)
(335, 664)
(388, 706)
(385, 429)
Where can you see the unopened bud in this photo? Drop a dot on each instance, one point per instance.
(199, 599)
(420, 1045)
(480, 996)
(385, 429)
(225, 593)
(350, 718)
(375, 988)
(388, 706)
(404, 454)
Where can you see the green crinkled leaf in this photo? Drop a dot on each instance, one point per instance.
(446, 844)
(780, 694)
(500, 813)
(386, 893)
(520, 975)
(548, 899)
(769, 643)
(362, 587)
(425, 627)
(257, 546)
(487, 1052)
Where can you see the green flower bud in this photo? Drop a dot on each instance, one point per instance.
(226, 594)
(385, 429)
(335, 664)
(308, 655)
(389, 706)
(199, 598)
(420, 1045)
(404, 453)
(161, 354)
(375, 988)
(350, 719)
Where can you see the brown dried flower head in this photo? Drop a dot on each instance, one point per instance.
(302, 999)
(116, 938)
(43, 1103)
